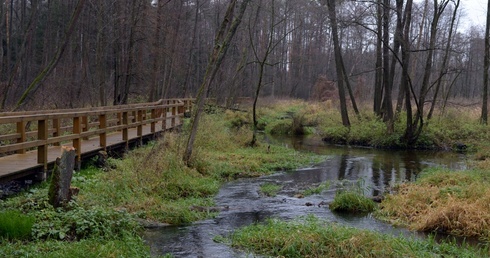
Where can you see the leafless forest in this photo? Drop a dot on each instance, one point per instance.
(62, 54)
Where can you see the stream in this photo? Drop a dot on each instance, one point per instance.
(373, 170)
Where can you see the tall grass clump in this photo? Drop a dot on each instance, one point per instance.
(15, 225)
(443, 201)
(352, 201)
(311, 237)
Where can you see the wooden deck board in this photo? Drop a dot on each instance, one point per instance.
(17, 163)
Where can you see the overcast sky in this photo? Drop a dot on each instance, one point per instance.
(475, 12)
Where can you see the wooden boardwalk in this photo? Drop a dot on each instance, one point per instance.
(37, 156)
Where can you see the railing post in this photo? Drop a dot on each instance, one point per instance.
(103, 135)
(119, 118)
(85, 125)
(42, 150)
(134, 115)
(181, 108)
(21, 130)
(140, 127)
(77, 143)
(164, 118)
(153, 116)
(125, 136)
(57, 128)
(190, 106)
(174, 112)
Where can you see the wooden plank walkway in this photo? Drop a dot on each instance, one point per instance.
(19, 165)
(137, 129)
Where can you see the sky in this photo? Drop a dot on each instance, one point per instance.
(475, 11)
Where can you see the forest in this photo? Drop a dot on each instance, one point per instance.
(383, 75)
(67, 54)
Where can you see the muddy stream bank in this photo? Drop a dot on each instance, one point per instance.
(375, 170)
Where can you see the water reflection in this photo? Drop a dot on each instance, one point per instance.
(377, 170)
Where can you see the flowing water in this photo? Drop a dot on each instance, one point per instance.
(373, 170)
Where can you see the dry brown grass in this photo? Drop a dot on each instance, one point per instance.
(456, 203)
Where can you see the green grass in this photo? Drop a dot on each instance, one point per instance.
(151, 182)
(317, 190)
(127, 246)
(352, 201)
(269, 189)
(15, 225)
(312, 237)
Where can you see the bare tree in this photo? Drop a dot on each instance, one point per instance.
(332, 15)
(445, 59)
(486, 66)
(223, 39)
(52, 64)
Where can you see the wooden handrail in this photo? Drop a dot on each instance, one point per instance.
(79, 125)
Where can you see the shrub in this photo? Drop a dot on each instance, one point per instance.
(15, 225)
(80, 223)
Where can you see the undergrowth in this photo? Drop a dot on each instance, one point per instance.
(150, 183)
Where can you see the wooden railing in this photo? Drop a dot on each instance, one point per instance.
(21, 132)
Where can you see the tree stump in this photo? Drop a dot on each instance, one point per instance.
(59, 190)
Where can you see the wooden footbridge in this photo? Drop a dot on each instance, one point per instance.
(31, 141)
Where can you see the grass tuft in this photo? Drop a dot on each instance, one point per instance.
(352, 201)
(15, 225)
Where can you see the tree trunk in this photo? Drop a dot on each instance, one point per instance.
(387, 101)
(47, 70)
(438, 10)
(222, 43)
(486, 66)
(59, 189)
(445, 59)
(378, 83)
(338, 61)
(406, 84)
